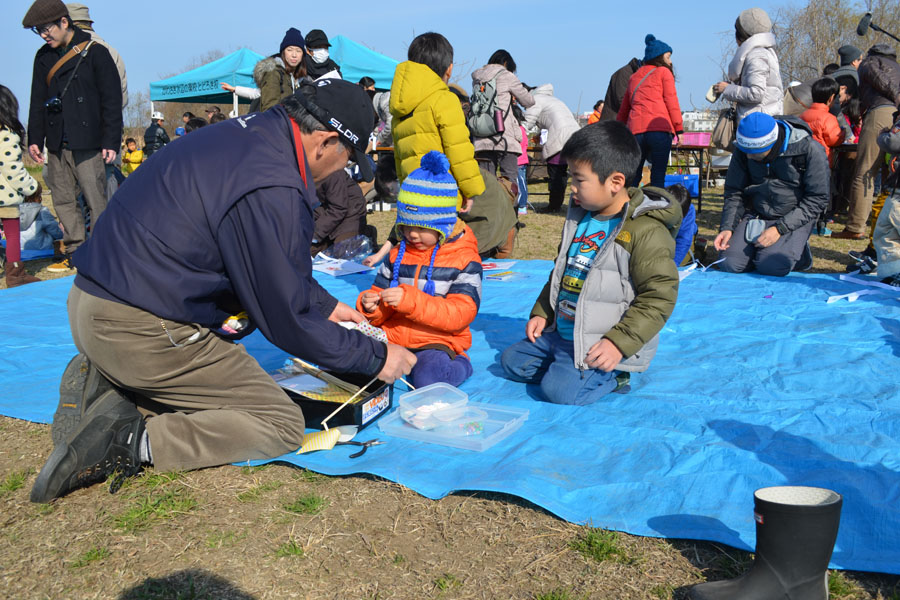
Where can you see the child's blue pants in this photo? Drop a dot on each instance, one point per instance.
(550, 362)
(433, 366)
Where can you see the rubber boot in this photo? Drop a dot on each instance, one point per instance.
(16, 275)
(795, 532)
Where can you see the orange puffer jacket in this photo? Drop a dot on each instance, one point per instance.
(421, 320)
(650, 102)
(825, 127)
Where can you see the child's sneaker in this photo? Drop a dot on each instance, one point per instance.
(893, 280)
(62, 266)
(864, 261)
(623, 382)
(523, 211)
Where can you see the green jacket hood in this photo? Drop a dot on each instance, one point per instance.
(413, 84)
(654, 203)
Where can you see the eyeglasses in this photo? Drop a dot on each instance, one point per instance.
(45, 29)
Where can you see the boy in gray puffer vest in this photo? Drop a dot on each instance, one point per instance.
(614, 283)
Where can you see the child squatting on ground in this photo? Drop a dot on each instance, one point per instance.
(614, 283)
(428, 291)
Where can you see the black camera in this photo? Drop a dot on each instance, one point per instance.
(53, 105)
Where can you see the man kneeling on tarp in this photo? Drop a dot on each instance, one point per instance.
(218, 223)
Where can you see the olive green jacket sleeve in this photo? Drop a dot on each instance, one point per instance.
(655, 280)
(542, 307)
(271, 90)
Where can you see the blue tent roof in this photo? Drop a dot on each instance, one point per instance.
(202, 84)
(357, 61)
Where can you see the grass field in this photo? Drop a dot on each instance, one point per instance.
(276, 532)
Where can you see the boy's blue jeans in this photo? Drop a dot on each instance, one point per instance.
(523, 187)
(550, 362)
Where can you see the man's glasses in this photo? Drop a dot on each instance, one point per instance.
(45, 29)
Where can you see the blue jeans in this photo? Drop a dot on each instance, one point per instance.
(523, 187)
(433, 366)
(656, 146)
(550, 362)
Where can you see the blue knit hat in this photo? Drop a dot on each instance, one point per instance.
(654, 47)
(427, 197)
(756, 133)
(292, 37)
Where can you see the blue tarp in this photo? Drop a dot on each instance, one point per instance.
(757, 382)
(202, 84)
(357, 61)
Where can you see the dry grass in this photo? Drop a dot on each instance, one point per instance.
(279, 532)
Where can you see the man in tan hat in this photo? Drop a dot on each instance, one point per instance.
(81, 18)
(76, 111)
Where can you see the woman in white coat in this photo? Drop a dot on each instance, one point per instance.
(552, 114)
(754, 74)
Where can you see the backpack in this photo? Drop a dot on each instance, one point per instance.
(482, 119)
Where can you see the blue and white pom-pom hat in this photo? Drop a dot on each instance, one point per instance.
(756, 133)
(427, 196)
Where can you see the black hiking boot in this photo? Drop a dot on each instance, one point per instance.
(81, 385)
(106, 443)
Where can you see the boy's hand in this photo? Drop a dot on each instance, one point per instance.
(603, 355)
(343, 312)
(369, 301)
(392, 296)
(767, 237)
(535, 328)
(721, 241)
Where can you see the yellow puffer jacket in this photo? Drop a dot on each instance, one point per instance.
(428, 116)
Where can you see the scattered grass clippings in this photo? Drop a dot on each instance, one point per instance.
(155, 507)
(446, 582)
(91, 556)
(307, 504)
(249, 470)
(224, 539)
(399, 559)
(599, 545)
(557, 594)
(256, 492)
(290, 548)
(14, 481)
(839, 586)
(662, 591)
(309, 476)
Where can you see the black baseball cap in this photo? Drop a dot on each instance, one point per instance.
(343, 107)
(316, 38)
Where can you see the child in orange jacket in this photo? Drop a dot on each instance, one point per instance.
(429, 289)
(824, 125)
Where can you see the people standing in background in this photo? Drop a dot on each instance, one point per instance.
(155, 136)
(615, 91)
(16, 186)
(754, 75)
(81, 18)
(367, 83)
(651, 111)
(318, 63)
(502, 150)
(187, 117)
(522, 180)
(210, 111)
(597, 114)
(76, 111)
(279, 75)
(132, 158)
(550, 113)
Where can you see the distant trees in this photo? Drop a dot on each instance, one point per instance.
(808, 36)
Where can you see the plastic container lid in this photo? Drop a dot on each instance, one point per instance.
(495, 424)
(433, 405)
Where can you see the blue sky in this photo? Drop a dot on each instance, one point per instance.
(576, 46)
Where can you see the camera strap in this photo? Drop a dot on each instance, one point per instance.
(79, 50)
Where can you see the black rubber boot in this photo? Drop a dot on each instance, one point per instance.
(81, 385)
(106, 443)
(795, 532)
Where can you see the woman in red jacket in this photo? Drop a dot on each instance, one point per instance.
(650, 109)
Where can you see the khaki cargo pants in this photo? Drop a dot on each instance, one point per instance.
(208, 401)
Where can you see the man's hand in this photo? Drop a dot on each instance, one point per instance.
(36, 155)
(399, 363)
(767, 237)
(392, 296)
(721, 241)
(466, 205)
(603, 355)
(370, 301)
(109, 156)
(342, 312)
(535, 328)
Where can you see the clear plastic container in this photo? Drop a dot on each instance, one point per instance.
(433, 405)
(496, 424)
